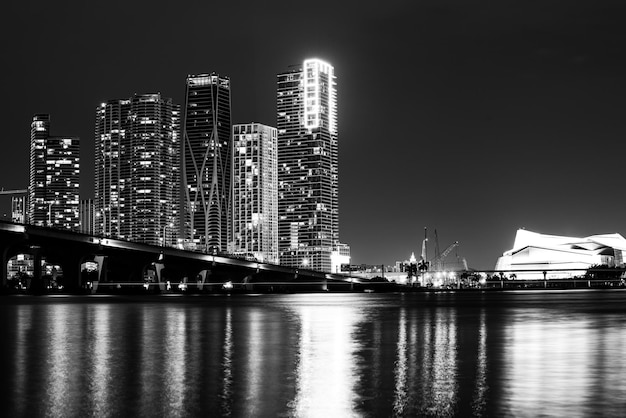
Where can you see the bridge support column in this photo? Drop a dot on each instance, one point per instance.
(158, 268)
(102, 272)
(201, 279)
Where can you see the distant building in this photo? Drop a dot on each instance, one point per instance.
(87, 216)
(54, 177)
(255, 192)
(18, 209)
(339, 256)
(560, 257)
(137, 169)
(308, 193)
(206, 163)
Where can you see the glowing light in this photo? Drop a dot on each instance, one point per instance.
(227, 285)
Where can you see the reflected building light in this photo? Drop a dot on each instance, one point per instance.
(400, 372)
(254, 363)
(149, 359)
(23, 323)
(558, 355)
(440, 377)
(227, 365)
(479, 400)
(62, 371)
(325, 372)
(101, 359)
(175, 360)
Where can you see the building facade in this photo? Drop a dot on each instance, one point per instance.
(560, 257)
(54, 177)
(255, 192)
(206, 163)
(137, 169)
(18, 209)
(87, 216)
(308, 209)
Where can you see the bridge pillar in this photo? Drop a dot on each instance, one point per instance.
(102, 272)
(201, 279)
(158, 268)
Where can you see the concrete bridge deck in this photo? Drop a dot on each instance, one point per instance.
(126, 264)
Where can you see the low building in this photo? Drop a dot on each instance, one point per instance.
(560, 257)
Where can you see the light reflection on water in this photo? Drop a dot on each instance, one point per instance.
(324, 371)
(564, 366)
(465, 354)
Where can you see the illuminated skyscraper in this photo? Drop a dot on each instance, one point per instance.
(206, 164)
(255, 192)
(137, 169)
(54, 177)
(308, 210)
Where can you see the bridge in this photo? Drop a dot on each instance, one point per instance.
(124, 265)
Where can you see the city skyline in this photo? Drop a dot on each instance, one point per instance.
(474, 119)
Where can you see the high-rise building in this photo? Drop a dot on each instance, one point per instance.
(206, 163)
(308, 225)
(54, 177)
(137, 169)
(87, 216)
(255, 192)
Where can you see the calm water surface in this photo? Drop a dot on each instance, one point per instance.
(535, 353)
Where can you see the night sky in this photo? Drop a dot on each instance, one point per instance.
(474, 118)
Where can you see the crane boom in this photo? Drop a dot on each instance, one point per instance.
(438, 260)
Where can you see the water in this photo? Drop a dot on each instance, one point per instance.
(535, 353)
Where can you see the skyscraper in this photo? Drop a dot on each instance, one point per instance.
(206, 163)
(137, 169)
(255, 192)
(54, 177)
(308, 166)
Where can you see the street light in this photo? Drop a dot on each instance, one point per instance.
(165, 233)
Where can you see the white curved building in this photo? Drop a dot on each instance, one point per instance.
(560, 257)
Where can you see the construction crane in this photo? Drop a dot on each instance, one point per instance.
(437, 262)
(423, 264)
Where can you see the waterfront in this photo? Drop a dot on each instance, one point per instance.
(518, 353)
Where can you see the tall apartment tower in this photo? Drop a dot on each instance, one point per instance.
(137, 169)
(308, 195)
(206, 163)
(255, 192)
(54, 177)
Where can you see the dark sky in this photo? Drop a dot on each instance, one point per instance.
(474, 118)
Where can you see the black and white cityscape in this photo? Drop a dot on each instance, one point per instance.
(183, 175)
(408, 208)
